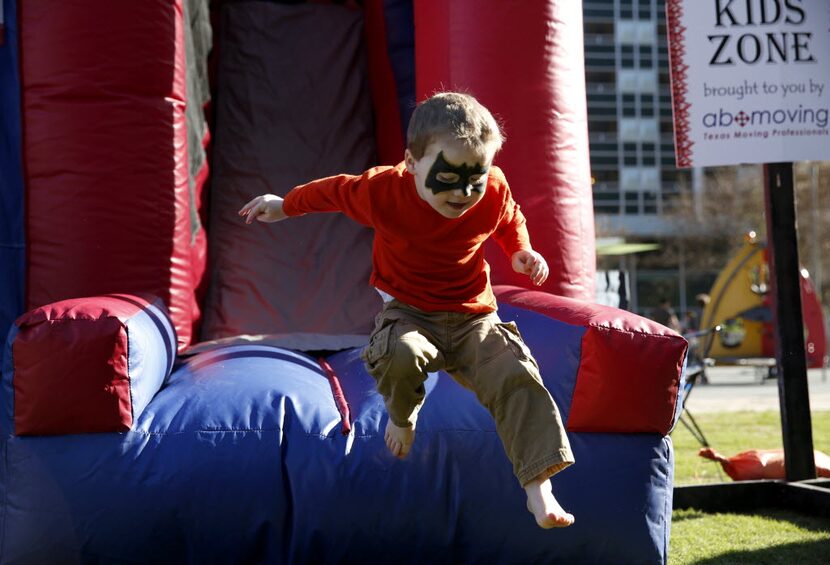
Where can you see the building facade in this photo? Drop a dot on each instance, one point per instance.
(635, 181)
(630, 116)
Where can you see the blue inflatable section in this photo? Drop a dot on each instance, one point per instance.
(7, 384)
(152, 353)
(12, 238)
(240, 458)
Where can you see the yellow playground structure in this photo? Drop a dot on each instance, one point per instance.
(740, 303)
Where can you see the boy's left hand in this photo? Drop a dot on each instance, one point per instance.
(531, 264)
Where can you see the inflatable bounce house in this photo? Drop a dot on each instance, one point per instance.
(178, 387)
(740, 302)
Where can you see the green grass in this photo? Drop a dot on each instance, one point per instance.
(773, 536)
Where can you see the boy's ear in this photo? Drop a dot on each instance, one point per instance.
(409, 160)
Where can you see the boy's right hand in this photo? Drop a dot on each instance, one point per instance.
(265, 208)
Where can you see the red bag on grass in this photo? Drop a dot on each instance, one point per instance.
(761, 464)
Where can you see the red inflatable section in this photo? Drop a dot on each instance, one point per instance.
(815, 338)
(524, 61)
(105, 153)
(49, 398)
(633, 396)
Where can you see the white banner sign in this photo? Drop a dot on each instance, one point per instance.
(750, 80)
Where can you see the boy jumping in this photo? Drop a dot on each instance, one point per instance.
(431, 214)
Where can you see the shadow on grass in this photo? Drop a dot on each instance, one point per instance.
(803, 521)
(786, 554)
(688, 514)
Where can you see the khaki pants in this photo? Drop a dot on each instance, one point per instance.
(484, 355)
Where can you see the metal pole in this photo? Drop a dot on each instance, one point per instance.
(793, 393)
(814, 209)
(817, 263)
(698, 183)
(681, 276)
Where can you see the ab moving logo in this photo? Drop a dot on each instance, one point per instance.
(767, 117)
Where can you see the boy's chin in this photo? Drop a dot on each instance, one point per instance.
(452, 213)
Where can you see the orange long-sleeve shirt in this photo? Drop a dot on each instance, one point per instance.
(419, 256)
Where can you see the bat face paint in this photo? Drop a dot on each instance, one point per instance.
(461, 173)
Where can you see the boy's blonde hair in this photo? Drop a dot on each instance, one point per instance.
(456, 115)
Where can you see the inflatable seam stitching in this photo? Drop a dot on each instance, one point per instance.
(82, 318)
(668, 502)
(4, 473)
(3, 511)
(307, 434)
(126, 329)
(630, 331)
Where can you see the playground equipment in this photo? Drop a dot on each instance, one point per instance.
(157, 408)
(740, 304)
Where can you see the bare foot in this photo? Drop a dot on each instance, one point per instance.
(544, 507)
(399, 440)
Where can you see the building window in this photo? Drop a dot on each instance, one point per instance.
(646, 58)
(604, 160)
(626, 9)
(649, 203)
(599, 12)
(647, 105)
(593, 97)
(627, 56)
(606, 203)
(599, 55)
(629, 105)
(600, 111)
(630, 154)
(611, 147)
(609, 177)
(602, 126)
(649, 160)
(645, 9)
(632, 204)
(600, 28)
(663, 54)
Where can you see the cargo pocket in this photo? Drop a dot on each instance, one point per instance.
(511, 334)
(379, 350)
